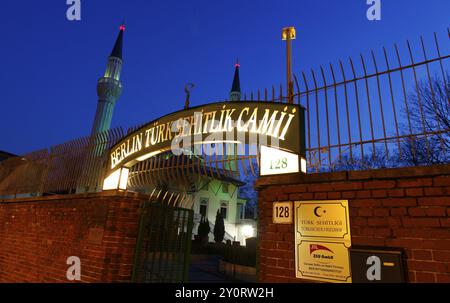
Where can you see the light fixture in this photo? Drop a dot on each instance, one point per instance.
(117, 180)
(248, 231)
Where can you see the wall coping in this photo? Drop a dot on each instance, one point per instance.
(385, 173)
(103, 194)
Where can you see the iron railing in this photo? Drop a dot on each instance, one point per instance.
(360, 114)
(373, 115)
(163, 244)
(74, 166)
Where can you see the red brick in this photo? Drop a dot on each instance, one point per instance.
(379, 193)
(425, 277)
(414, 192)
(443, 278)
(365, 203)
(365, 212)
(320, 187)
(381, 212)
(270, 261)
(435, 201)
(415, 183)
(266, 244)
(417, 211)
(405, 243)
(394, 222)
(411, 276)
(420, 254)
(379, 184)
(371, 241)
(284, 228)
(395, 193)
(302, 196)
(298, 188)
(445, 222)
(429, 266)
(363, 231)
(436, 244)
(377, 222)
(348, 195)
(382, 232)
(434, 191)
(347, 186)
(397, 202)
(358, 221)
(283, 263)
(441, 181)
(436, 212)
(363, 194)
(283, 246)
(399, 211)
(334, 195)
(320, 196)
(441, 255)
(420, 222)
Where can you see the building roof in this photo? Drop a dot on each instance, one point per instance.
(5, 155)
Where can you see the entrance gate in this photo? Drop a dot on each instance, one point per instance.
(163, 245)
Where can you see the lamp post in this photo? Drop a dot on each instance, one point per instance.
(187, 89)
(288, 34)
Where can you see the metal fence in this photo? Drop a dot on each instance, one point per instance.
(163, 245)
(373, 113)
(390, 109)
(74, 166)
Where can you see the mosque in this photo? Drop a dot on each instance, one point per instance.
(218, 193)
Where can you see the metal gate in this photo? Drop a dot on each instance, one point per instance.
(164, 244)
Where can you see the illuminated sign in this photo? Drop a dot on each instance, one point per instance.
(117, 180)
(276, 162)
(322, 241)
(280, 124)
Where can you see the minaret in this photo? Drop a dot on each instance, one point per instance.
(235, 94)
(109, 87)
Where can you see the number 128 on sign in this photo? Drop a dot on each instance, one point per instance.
(282, 213)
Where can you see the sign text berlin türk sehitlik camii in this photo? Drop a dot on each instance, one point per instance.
(322, 241)
(226, 121)
(275, 129)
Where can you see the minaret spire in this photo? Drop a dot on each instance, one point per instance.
(235, 94)
(117, 50)
(109, 87)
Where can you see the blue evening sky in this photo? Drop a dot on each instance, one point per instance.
(50, 66)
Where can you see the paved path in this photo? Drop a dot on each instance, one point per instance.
(205, 268)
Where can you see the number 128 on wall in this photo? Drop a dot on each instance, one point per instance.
(282, 213)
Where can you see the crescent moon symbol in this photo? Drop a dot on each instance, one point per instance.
(316, 210)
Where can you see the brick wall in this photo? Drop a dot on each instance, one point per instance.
(37, 235)
(407, 208)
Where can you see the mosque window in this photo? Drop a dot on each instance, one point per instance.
(203, 207)
(224, 209)
(225, 188)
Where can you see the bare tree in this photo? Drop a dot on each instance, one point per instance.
(428, 124)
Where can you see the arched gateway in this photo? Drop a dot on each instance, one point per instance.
(167, 156)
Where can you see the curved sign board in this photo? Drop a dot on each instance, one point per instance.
(277, 125)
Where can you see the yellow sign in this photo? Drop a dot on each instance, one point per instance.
(323, 261)
(322, 241)
(323, 219)
(282, 213)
